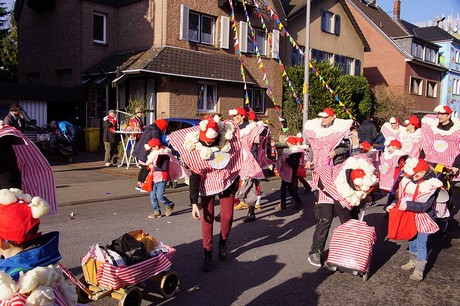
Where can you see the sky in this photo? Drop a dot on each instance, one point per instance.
(419, 11)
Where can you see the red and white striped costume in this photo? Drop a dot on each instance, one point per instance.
(175, 170)
(426, 189)
(284, 170)
(388, 164)
(36, 173)
(240, 160)
(390, 133)
(411, 142)
(249, 136)
(335, 184)
(323, 140)
(440, 146)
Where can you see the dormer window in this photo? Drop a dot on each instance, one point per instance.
(417, 50)
(330, 22)
(430, 55)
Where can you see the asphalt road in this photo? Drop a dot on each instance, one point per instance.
(267, 262)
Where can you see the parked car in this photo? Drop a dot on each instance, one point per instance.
(38, 135)
(175, 124)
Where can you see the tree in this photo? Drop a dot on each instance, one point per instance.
(9, 54)
(353, 91)
(389, 103)
(3, 19)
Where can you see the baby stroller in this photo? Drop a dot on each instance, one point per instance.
(104, 275)
(444, 204)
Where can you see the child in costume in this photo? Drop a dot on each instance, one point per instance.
(417, 192)
(29, 270)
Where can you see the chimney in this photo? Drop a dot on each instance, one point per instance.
(397, 10)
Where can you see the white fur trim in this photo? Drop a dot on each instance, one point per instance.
(7, 197)
(433, 122)
(248, 129)
(39, 207)
(423, 187)
(226, 131)
(233, 112)
(409, 165)
(203, 125)
(396, 153)
(439, 109)
(339, 125)
(8, 286)
(210, 133)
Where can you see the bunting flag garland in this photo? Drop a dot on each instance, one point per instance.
(310, 65)
(238, 51)
(259, 60)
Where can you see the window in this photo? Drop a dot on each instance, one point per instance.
(456, 87)
(65, 77)
(431, 89)
(201, 28)
(207, 97)
(417, 50)
(321, 56)
(457, 57)
(416, 86)
(257, 99)
(330, 22)
(430, 55)
(297, 57)
(261, 40)
(357, 67)
(344, 62)
(99, 28)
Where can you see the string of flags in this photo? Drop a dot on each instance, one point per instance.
(296, 46)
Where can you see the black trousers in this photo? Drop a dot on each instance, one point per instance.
(143, 172)
(293, 191)
(324, 213)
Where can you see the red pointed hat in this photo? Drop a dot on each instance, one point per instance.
(357, 174)
(209, 129)
(413, 120)
(237, 111)
(327, 112)
(153, 142)
(395, 143)
(443, 109)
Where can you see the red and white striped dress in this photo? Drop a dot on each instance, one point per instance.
(324, 140)
(241, 162)
(388, 164)
(390, 133)
(440, 146)
(411, 142)
(249, 135)
(37, 177)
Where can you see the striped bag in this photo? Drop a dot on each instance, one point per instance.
(425, 224)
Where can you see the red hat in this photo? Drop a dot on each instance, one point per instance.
(327, 112)
(422, 165)
(413, 120)
(395, 143)
(16, 221)
(443, 109)
(394, 120)
(415, 165)
(251, 115)
(357, 174)
(365, 146)
(299, 140)
(153, 142)
(161, 124)
(293, 140)
(237, 111)
(209, 129)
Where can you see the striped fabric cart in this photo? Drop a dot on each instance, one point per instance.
(102, 279)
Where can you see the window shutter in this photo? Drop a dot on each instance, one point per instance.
(276, 44)
(337, 25)
(323, 20)
(183, 31)
(224, 32)
(243, 36)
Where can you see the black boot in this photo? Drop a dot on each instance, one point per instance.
(217, 218)
(206, 266)
(222, 254)
(251, 214)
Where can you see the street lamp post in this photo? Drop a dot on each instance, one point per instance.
(306, 61)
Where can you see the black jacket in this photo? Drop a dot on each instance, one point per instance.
(367, 131)
(151, 131)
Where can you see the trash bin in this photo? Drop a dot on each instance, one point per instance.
(92, 139)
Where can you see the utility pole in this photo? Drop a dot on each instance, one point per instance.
(306, 61)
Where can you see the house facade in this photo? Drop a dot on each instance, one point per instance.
(178, 56)
(335, 36)
(399, 59)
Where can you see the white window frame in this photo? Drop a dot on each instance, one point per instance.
(457, 57)
(456, 87)
(203, 94)
(431, 89)
(416, 50)
(185, 33)
(430, 55)
(330, 22)
(104, 28)
(419, 86)
(252, 91)
(260, 35)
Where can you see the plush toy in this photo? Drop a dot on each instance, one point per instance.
(8, 286)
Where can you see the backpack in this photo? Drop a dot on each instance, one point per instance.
(130, 249)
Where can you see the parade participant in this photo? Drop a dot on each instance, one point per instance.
(388, 163)
(328, 138)
(214, 153)
(238, 116)
(411, 137)
(163, 167)
(301, 171)
(153, 130)
(338, 189)
(391, 129)
(15, 118)
(417, 192)
(288, 165)
(441, 134)
(367, 130)
(255, 135)
(136, 124)
(110, 139)
(29, 269)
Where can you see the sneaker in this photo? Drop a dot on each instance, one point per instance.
(240, 206)
(156, 214)
(138, 188)
(108, 164)
(315, 260)
(144, 191)
(280, 206)
(169, 210)
(257, 206)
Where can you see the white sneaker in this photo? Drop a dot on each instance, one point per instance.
(108, 164)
